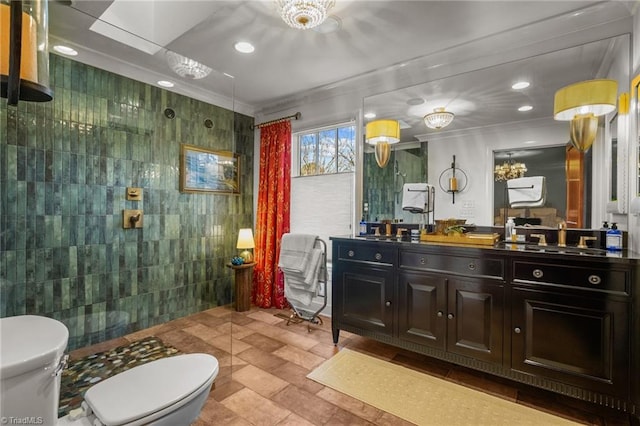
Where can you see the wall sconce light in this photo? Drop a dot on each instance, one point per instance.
(245, 242)
(582, 103)
(382, 134)
(24, 52)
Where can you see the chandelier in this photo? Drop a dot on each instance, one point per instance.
(509, 170)
(186, 67)
(438, 119)
(304, 14)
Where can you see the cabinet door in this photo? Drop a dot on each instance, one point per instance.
(422, 302)
(475, 318)
(362, 296)
(571, 339)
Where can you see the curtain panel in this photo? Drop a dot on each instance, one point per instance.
(274, 189)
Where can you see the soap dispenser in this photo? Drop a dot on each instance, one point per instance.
(509, 227)
(614, 238)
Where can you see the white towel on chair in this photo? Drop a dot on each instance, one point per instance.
(527, 192)
(416, 198)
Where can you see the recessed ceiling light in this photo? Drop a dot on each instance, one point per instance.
(65, 50)
(244, 47)
(520, 85)
(370, 115)
(525, 108)
(415, 101)
(165, 83)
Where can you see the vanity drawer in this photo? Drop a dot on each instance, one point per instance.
(367, 253)
(464, 265)
(589, 277)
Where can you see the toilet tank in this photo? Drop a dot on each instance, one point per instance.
(31, 349)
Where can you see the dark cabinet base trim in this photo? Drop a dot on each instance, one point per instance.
(496, 370)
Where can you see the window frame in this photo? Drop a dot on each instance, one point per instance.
(296, 151)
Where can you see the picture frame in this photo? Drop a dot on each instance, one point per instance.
(207, 171)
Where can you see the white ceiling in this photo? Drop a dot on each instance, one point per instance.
(373, 35)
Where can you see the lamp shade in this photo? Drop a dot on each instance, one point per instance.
(245, 239)
(597, 97)
(382, 131)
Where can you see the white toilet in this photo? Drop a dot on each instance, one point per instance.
(169, 391)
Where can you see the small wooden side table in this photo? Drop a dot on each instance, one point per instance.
(244, 279)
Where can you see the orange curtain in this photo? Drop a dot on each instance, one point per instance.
(274, 189)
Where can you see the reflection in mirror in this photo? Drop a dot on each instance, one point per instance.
(382, 188)
(613, 162)
(488, 118)
(548, 162)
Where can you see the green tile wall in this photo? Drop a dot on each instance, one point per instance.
(64, 169)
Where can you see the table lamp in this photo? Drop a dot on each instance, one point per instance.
(245, 242)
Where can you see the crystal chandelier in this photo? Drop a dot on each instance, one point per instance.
(438, 119)
(509, 170)
(304, 14)
(186, 67)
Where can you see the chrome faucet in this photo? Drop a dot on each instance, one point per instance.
(562, 234)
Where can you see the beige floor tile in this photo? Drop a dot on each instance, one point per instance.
(350, 404)
(283, 336)
(260, 381)
(306, 405)
(255, 408)
(294, 420)
(203, 332)
(265, 317)
(298, 356)
(297, 376)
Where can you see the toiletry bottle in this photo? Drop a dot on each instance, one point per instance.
(363, 227)
(614, 238)
(605, 226)
(509, 227)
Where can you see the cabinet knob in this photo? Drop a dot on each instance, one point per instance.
(387, 303)
(538, 273)
(472, 266)
(450, 316)
(378, 256)
(440, 314)
(351, 253)
(517, 330)
(423, 260)
(594, 279)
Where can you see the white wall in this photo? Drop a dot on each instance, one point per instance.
(474, 154)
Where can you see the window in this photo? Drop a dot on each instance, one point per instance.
(328, 150)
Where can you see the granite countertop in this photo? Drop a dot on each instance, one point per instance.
(512, 247)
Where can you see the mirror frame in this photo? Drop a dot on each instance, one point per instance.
(634, 118)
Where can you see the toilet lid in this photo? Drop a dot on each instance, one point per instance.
(151, 387)
(28, 342)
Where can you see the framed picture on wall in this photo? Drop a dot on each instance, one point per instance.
(204, 170)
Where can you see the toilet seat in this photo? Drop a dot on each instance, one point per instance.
(146, 393)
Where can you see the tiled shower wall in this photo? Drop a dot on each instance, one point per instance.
(64, 169)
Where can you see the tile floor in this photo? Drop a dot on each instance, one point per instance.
(264, 363)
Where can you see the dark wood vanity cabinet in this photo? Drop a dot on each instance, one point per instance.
(363, 289)
(570, 324)
(457, 314)
(566, 323)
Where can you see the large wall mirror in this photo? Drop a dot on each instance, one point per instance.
(488, 124)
